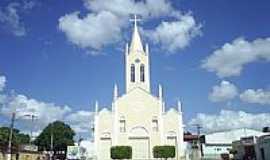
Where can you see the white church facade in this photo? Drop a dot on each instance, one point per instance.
(137, 118)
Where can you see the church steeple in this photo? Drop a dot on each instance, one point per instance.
(137, 62)
(136, 43)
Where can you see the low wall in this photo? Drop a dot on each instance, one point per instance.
(23, 156)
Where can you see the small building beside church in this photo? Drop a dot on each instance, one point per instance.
(222, 142)
(137, 118)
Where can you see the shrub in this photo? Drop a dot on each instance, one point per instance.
(164, 152)
(121, 152)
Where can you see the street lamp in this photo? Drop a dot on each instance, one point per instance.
(199, 127)
(33, 117)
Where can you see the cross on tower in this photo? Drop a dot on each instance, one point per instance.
(135, 20)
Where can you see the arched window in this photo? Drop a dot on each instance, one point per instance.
(132, 73)
(155, 124)
(142, 73)
(122, 122)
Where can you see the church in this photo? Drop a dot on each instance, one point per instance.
(137, 118)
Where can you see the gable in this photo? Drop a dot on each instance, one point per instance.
(137, 103)
(137, 94)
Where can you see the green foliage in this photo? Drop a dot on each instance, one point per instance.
(266, 129)
(17, 139)
(62, 136)
(164, 152)
(121, 152)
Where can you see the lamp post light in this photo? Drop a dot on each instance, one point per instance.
(33, 117)
(199, 127)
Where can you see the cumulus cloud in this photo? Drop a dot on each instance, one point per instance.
(94, 30)
(175, 35)
(80, 121)
(230, 59)
(223, 92)
(107, 20)
(256, 96)
(228, 119)
(2, 83)
(10, 18)
(46, 112)
(122, 8)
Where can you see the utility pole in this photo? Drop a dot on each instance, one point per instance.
(51, 145)
(33, 117)
(199, 127)
(9, 155)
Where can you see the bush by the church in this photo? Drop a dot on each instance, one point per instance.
(164, 152)
(121, 152)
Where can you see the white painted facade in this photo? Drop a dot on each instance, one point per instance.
(137, 118)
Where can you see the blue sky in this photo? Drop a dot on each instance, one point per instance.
(212, 55)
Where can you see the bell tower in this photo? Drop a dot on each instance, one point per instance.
(137, 62)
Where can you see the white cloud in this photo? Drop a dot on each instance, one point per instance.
(256, 96)
(230, 59)
(11, 20)
(123, 8)
(27, 5)
(223, 92)
(11, 16)
(80, 121)
(228, 119)
(45, 112)
(108, 19)
(92, 31)
(175, 35)
(2, 83)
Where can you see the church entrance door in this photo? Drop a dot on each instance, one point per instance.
(105, 150)
(140, 148)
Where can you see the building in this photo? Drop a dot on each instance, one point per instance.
(263, 147)
(244, 148)
(192, 147)
(137, 118)
(221, 142)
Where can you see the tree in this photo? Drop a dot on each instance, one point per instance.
(266, 129)
(121, 152)
(62, 137)
(164, 152)
(17, 138)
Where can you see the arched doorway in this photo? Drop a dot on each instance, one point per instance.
(140, 143)
(105, 146)
(172, 140)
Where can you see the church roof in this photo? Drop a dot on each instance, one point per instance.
(136, 43)
(135, 89)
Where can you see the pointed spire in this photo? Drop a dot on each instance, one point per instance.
(126, 50)
(160, 92)
(163, 107)
(96, 107)
(136, 43)
(179, 105)
(146, 49)
(115, 92)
